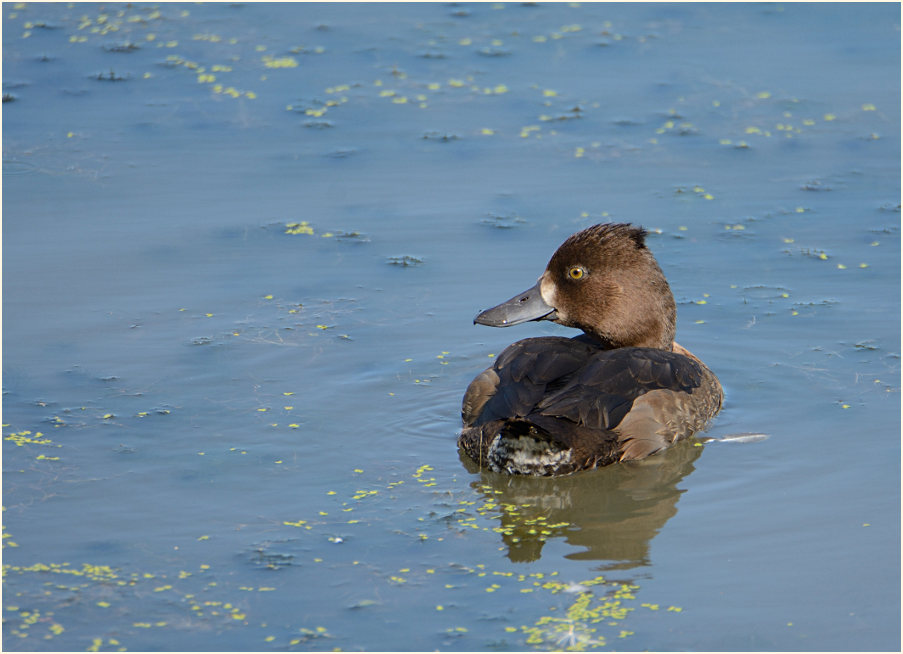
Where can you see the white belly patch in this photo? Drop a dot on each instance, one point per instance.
(526, 455)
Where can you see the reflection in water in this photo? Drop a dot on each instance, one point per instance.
(613, 512)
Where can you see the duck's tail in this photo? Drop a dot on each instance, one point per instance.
(534, 447)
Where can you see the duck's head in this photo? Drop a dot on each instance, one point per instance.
(603, 280)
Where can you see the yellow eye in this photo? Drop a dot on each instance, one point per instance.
(576, 272)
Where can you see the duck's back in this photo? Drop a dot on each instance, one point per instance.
(554, 405)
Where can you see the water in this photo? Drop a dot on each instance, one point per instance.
(243, 245)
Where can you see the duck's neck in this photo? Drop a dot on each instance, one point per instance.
(636, 314)
(662, 339)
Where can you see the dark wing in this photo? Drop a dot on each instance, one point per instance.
(648, 397)
(522, 374)
(604, 405)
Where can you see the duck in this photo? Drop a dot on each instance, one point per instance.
(619, 392)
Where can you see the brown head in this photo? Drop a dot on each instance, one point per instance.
(605, 281)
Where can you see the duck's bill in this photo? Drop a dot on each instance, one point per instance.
(523, 307)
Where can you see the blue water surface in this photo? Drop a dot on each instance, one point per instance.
(242, 248)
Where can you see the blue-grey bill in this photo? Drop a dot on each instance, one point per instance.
(523, 307)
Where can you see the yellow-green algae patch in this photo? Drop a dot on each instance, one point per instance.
(27, 437)
(302, 227)
(113, 593)
(555, 612)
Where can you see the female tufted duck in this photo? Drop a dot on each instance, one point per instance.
(620, 391)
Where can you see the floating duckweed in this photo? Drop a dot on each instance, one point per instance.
(298, 228)
(595, 605)
(419, 472)
(27, 438)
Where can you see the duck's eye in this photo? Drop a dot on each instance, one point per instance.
(576, 272)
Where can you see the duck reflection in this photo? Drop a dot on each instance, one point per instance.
(613, 512)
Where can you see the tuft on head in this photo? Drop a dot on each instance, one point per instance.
(605, 233)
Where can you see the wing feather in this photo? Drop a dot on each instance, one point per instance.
(627, 403)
